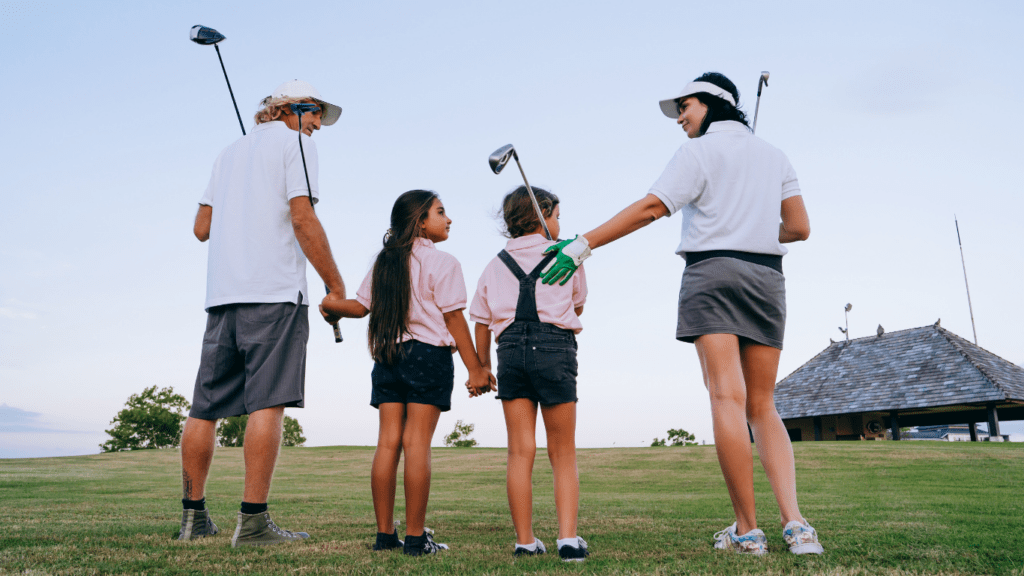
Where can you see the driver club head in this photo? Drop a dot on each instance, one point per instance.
(205, 36)
(500, 157)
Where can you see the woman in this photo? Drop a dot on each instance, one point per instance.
(732, 188)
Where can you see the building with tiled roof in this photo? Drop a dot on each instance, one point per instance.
(858, 389)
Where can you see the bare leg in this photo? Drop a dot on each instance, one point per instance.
(421, 420)
(521, 424)
(760, 368)
(560, 423)
(384, 473)
(723, 376)
(197, 443)
(261, 446)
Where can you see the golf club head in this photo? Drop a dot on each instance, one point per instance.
(764, 77)
(762, 81)
(205, 36)
(500, 157)
(303, 107)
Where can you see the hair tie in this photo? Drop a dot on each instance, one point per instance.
(388, 235)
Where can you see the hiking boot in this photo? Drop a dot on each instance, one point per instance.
(577, 553)
(802, 539)
(754, 542)
(417, 545)
(260, 530)
(524, 551)
(196, 524)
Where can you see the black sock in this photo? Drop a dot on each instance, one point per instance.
(250, 508)
(194, 504)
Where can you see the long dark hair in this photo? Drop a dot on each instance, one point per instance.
(719, 109)
(391, 285)
(518, 213)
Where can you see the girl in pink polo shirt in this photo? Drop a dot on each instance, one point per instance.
(535, 326)
(414, 295)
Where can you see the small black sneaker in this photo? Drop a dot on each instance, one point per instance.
(523, 551)
(418, 545)
(577, 553)
(387, 541)
(196, 524)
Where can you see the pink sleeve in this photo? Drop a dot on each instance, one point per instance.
(449, 285)
(480, 311)
(363, 294)
(579, 287)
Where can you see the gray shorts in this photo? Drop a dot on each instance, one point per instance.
(254, 357)
(730, 296)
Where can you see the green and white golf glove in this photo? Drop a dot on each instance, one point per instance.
(570, 255)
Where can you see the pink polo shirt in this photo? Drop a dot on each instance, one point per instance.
(437, 287)
(497, 292)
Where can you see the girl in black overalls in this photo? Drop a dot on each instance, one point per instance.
(535, 326)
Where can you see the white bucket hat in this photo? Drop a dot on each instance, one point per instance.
(300, 89)
(671, 108)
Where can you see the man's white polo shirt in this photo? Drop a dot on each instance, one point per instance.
(730, 186)
(253, 255)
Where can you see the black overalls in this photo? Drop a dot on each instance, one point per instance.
(535, 360)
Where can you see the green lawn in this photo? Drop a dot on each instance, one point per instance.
(879, 507)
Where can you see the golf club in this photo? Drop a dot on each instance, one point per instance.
(299, 109)
(763, 80)
(205, 36)
(498, 159)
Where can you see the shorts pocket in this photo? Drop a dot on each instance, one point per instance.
(555, 363)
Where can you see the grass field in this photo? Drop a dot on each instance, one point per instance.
(879, 507)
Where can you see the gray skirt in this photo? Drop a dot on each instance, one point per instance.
(731, 296)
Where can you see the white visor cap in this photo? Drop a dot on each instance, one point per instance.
(671, 108)
(300, 89)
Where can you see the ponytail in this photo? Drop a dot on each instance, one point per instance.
(391, 282)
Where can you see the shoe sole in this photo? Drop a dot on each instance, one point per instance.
(809, 548)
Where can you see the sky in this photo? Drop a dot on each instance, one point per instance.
(895, 116)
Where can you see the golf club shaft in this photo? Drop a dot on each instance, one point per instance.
(756, 107)
(533, 198)
(230, 91)
(305, 171)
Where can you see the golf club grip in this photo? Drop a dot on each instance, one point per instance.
(337, 328)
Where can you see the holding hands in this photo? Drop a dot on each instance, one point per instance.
(481, 382)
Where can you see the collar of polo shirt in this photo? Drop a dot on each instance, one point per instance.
(671, 109)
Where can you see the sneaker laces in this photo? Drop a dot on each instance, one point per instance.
(274, 527)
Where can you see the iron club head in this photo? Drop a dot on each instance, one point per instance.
(762, 81)
(500, 157)
(205, 36)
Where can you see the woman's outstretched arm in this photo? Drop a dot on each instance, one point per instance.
(632, 218)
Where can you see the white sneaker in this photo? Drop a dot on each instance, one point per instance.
(539, 548)
(802, 539)
(754, 542)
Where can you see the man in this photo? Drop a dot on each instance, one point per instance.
(258, 216)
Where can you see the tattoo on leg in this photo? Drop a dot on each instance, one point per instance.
(186, 485)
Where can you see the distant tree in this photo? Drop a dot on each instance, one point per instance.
(678, 437)
(293, 432)
(459, 438)
(231, 431)
(152, 419)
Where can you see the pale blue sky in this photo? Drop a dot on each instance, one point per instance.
(894, 115)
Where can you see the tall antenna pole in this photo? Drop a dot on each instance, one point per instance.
(969, 307)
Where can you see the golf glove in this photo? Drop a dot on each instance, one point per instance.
(570, 254)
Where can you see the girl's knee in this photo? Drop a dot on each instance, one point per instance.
(758, 410)
(522, 449)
